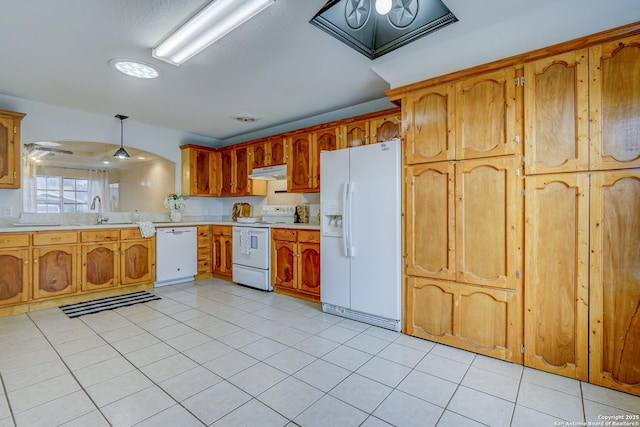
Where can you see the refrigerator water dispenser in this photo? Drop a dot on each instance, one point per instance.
(331, 219)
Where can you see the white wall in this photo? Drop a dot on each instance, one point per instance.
(49, 122)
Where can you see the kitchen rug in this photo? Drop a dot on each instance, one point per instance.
(109, 303)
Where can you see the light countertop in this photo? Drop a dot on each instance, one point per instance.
(24, 227)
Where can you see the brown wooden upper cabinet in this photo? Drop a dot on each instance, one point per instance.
(258, 154)
(385, 128)
(429, 117)
(556, 113)
(614, 96)
(304, 158)
(277, 151)
(10, 149)
(300, 164)
(199, 166)
(234, 170)
(486, 115)
(372, 131)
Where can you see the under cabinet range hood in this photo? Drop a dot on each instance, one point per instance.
(270, 173)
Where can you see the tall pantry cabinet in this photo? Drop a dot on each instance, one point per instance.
(463, 214)
(555, 267)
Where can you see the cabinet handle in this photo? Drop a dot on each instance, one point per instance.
(35, 261)
(5, 241)
(25, 262)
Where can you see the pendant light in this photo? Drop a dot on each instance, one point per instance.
(121, 153)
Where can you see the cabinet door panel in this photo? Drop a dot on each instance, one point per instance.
(430, 307)
(258, 155)
(324, 140)
(474, 318)
(227, 173)
(14, 276)
(429, 118)
(385, 129)
(284, 264)
(242, 171)
(277, 151)
(54, 271)
(137, 260)
(556, 283)
(299, 169)
(615, 280)
(488, 230)
(486, 115)
(99, 266)
(489, 321)
(357, 134)
(430, 220)
(615, 104)
(309, 267)
(556, 113)
(6, 151)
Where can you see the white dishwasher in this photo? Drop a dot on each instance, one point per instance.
(176, 255)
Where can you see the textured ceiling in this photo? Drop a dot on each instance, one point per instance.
(277, 67)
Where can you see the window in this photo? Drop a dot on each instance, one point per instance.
(57, 194)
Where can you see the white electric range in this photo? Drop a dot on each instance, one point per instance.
(252, 247)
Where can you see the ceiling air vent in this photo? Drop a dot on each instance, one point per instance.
(245, 118)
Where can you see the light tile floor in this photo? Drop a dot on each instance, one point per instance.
(213, 353)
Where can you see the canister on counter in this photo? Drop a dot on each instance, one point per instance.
(302, 212)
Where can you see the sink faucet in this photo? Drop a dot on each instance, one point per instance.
(101, 220)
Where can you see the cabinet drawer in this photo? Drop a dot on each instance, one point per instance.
(99, 236)
(222, 230)
(55, 238)
(308, 236)
(130, 234)
(204, 231)
(284, 234)
(14, 240)
(204, 241)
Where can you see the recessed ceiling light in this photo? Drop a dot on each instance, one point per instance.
(135, 68)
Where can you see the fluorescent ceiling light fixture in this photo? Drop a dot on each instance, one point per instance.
(213, 22)
(135, 68)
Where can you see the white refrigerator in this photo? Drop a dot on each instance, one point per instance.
(360, 246)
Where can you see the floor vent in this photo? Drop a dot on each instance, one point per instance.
(371, 319)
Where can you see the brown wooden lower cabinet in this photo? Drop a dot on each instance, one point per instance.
(55, 271)
(100, 266)
(474, 318)
(39, 269)
(222, 251)
(295, 262)
(204, 251)
(14, 276)
(137, 258)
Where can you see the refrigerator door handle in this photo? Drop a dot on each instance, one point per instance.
(345, 216)
(347, 221)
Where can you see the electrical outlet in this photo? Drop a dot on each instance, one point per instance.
(7, 211)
